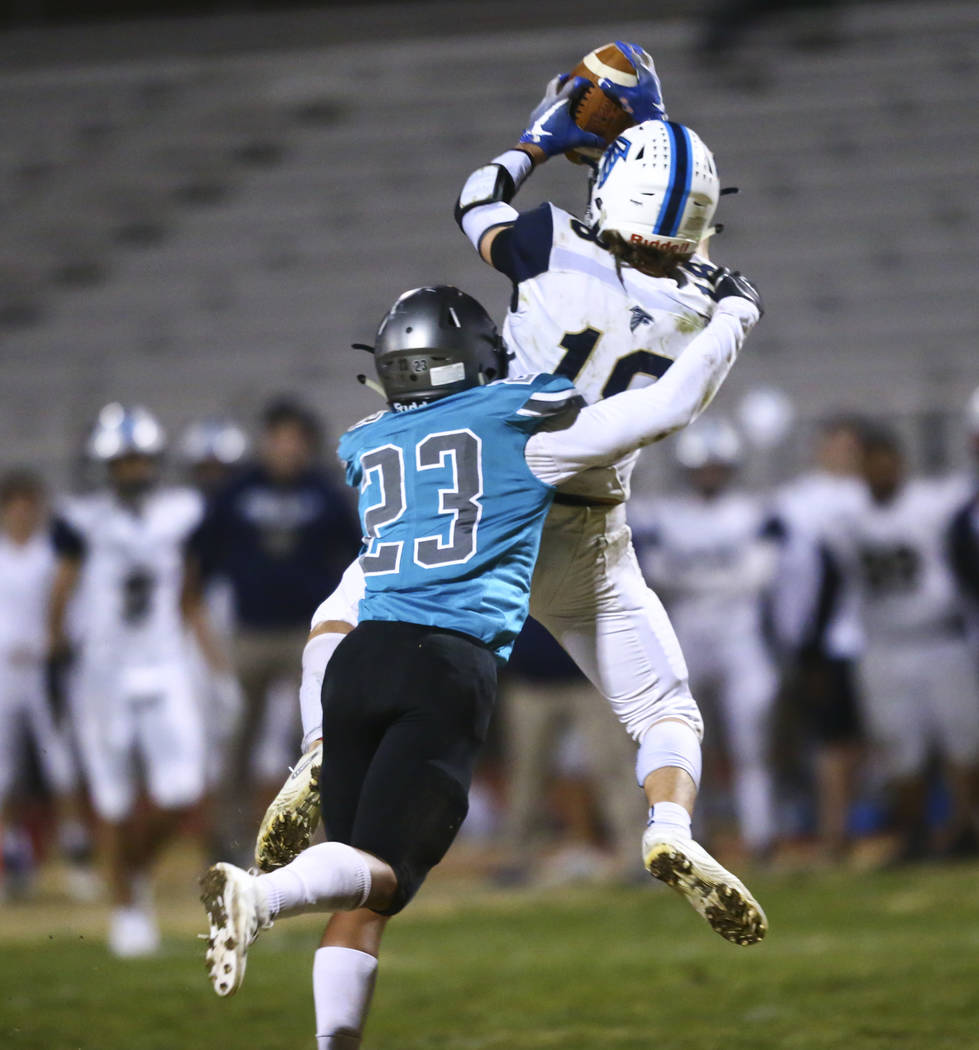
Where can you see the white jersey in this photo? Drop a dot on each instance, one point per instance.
(574, 315)
(708, 558)
(26, 574)
(814, 508)
(900, 557)
(128, 602)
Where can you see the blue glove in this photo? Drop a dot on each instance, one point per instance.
(552, 128)
(645, 100)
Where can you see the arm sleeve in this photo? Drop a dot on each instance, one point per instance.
(608, 430)
(523, 248)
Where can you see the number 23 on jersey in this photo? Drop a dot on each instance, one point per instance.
(442, 533)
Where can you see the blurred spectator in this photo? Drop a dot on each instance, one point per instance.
(815, 618)
(964, 538)
(281, 533)
(920, 684)
(134, 711)
(548, 704)
(708, 556)
(27, 718)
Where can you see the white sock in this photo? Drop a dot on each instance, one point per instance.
(755, 803)
(670, 815)
(343, 982)
(669, 743)
(330, 876)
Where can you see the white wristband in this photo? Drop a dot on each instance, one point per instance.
(518, 163)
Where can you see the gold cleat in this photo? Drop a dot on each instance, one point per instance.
(713, 892)
(291, 819)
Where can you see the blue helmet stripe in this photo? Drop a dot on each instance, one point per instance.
(681, 173)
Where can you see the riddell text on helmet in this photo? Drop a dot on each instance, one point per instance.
(663, 246)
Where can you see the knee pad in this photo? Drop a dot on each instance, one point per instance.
(669, 743)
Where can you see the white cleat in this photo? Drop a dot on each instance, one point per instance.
(237, 912)
(133, 933)
(291, 819)
(713, 892)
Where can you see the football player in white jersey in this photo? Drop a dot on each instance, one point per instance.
(26, 572)
(708, 553)
(120, 557)
(919, 673)
(609, 305)
(816, 620)
(965, 534)
(212, 451)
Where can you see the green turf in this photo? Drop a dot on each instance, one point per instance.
(852, 963)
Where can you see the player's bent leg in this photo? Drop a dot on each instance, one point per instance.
(237, 911)
(290, 821)
(325, 878)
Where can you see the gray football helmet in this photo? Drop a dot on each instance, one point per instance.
(436, 341)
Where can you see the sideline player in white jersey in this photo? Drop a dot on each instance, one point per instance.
(27, 564)
(610, 306)
(816, 619)
(708, 554)
(965, 533)
(921, 687)
(132, 701)
(212, 451)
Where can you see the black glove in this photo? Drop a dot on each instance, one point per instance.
(731, 282)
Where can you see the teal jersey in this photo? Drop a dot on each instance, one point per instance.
(451, 513)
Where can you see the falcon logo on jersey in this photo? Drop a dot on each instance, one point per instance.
(638, 316)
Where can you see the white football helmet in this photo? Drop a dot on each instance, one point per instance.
(656, 186)
(121, 431)
(708, 442)
(221, 440)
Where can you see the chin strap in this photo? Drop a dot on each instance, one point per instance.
(372, 384)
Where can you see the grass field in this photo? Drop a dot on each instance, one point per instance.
(853, 962)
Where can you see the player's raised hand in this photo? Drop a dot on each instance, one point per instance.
(733, 283)
(645, 100)
(552, 129)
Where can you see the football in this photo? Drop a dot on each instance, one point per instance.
(595, 111)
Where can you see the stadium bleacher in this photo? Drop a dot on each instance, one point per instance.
(195, 231)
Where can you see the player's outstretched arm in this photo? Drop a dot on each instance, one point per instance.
(610, 429)
(483, 209)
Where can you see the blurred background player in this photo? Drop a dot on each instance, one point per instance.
(564, 746)
(134, 711)
(29, 724)
(280, 534)
(919, 677)
(815, 618)
(708, 555)
(211, 452)
(964, 537)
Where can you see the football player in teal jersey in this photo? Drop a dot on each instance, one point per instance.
(455, 480)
